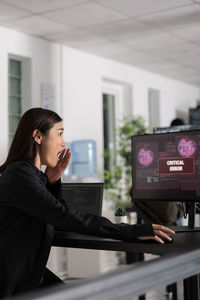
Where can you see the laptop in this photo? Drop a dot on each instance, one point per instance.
(84, 197)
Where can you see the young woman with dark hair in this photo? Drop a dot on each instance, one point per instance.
(31, 205)
(24, 145)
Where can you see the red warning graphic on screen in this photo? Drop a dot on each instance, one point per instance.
(145, 157)
(176, 165)
(187, 147)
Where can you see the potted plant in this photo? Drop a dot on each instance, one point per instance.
(118, 179)
(120, 215)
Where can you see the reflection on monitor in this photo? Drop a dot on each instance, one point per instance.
(166, 166)
(84, 197)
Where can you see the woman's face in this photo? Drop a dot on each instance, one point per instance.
(51, 145)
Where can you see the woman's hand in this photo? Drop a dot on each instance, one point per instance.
(159, 232)
(55, 173)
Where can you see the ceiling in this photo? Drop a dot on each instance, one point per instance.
(161, 36)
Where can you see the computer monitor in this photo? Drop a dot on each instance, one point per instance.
(84, 197)
(194, 115)
(175, 128)
(166, 166)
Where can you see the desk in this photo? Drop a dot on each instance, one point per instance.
(183, 242)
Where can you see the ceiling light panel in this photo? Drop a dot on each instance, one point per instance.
(175, 18)
(40, 6)
(8, 12)
(85, 15)
(111, 49)
(123, 29)
(37, 25)
(78, 38)
(153, 41)
(142, 7)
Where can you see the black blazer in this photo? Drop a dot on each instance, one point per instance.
(30, 209)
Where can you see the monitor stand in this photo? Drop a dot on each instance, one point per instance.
(191, 221)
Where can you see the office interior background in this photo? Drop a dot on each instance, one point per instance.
(65, 54)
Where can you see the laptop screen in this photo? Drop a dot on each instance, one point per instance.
(84, 197)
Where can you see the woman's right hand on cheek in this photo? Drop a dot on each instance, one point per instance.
(160, 232)
(55, 173)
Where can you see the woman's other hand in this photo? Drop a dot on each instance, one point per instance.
(160, 232)
(55, 173)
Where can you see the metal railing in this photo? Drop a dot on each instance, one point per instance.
(128, 281)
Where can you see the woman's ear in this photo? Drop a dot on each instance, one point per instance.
(37, 136)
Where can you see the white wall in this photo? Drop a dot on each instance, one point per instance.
(45, 68)
(83, 76)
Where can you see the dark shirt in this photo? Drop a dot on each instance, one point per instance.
(30, 209)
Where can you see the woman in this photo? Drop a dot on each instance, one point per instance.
(31, 205)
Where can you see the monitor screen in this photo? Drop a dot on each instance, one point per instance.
(84, 197)
(166, 166)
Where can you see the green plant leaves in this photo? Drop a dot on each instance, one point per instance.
(119, 178)
(120, 211)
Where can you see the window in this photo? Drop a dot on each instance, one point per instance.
(117, 100)
(15, 96)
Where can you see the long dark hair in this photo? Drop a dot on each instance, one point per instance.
(23, 146)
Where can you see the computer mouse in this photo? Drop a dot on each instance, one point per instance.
(166, 240)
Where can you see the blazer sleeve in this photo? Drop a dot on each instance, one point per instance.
(32, 197)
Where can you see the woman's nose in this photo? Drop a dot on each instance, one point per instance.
(63, 144)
